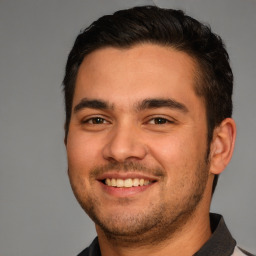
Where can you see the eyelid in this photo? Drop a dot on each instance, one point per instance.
(164, 119)
(87, 119)
(168, 119)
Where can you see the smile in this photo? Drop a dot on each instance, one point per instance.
(127, 183)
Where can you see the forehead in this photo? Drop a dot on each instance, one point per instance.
(147, 57)
(138, 72)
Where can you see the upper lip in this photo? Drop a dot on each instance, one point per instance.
(126, 175)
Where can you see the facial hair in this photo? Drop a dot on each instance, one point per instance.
(151, 225)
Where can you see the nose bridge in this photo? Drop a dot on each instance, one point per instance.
(124, 143)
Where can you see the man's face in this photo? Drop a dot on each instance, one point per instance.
(137, 142)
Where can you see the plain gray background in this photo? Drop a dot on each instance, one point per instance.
(38, 213)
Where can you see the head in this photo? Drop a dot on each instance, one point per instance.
(165, 27)
(146, 92)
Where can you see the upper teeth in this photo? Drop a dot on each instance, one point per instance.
(127, 183)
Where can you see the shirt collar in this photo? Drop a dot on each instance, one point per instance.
(221, 243)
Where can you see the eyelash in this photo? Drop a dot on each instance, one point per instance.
(160, 121)
(101, 120)
(92, 119)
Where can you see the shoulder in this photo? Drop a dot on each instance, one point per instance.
(92, 250)
(85, 252)
(240, 252)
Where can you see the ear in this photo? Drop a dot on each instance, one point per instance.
(222, 145)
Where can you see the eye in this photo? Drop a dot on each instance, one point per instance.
(159, 120)
(95, 120)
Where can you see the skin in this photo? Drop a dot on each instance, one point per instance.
(117, 130)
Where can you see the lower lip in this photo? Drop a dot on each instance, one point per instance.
(124, 192)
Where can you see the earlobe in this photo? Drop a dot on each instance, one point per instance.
(222, 145)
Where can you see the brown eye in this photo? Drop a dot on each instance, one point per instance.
(160, 120)
(95, 120)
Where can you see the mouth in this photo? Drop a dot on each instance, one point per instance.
(127, 183)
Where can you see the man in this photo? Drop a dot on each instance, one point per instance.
(148, 131)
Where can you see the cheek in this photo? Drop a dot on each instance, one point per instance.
(81, 151)
(170, 149)
(178, 155)
(79, 164)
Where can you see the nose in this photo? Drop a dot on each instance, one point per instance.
(124, 143)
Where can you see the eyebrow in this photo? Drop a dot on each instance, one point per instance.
(143, 105)
(94, 104)
(162, 103)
